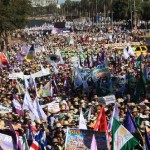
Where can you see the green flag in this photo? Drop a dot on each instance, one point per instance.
(140, 87)
(122, 139)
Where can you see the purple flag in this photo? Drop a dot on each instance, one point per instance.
(93, 144)
(17, 108)
(129, 123)
(23, 53)
(14, 139)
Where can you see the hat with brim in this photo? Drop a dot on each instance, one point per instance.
(66, 123)
(55, 140)
(135, 110)
(58, 125)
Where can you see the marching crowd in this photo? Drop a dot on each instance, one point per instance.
(71, 84)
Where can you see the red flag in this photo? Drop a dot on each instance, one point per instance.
(34, 146)
(82, 40)
(101, 123)
(3, 58)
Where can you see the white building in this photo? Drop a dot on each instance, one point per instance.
(42, 3)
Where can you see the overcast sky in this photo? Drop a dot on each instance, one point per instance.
(61, 1)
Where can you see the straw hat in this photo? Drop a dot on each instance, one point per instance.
(58, 125)
(95, 97)
(147, 108)
(76, 104)
(96, 103)
(55, 140)
(71, 108)
(66, 123)
(135, 110)
(76, 99)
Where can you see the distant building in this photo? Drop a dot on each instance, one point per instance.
(42, 3)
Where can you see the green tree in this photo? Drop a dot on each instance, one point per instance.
(13, 14)
(145, 14)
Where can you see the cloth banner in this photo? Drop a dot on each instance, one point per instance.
(34, 75)
(6, 142)
(106, 100)
(52, 106)
(4, 109)
(77, 139)
(98, 73)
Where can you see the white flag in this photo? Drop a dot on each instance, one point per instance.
(82, 124)
(125, 54)
(130, 51)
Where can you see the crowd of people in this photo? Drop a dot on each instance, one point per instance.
(71, 59)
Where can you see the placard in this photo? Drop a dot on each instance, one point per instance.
(106, 100)
(77, 139)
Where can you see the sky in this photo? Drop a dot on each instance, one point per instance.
(61, 1)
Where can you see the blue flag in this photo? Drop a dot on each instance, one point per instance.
(129, 123)
(78, 79)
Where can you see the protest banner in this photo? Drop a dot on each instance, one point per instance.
(98, 73)
(77, 139)
(13, 76)
(6, 142)
(106, 100)
(34, 75)
(122, 45)
(4, 109)
(52, 106)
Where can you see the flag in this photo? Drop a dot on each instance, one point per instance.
(23, 53)
(46, 89)
(30, 54)
(122, 139)
(77, 78)
(125, 53)
(17, 107)
(89, 114)
(6, 142)
(31, 82)
(115, 115)
(93, 144)
(7, 55)
(28, 105)
(35, 146)
(101, 122)
(20, 88)
(60, 57)
(41, 139)
(15, 144)
(43, 70)
(129, 123)
(147, 138)
(3, 59)
(25, 143)
(26, 84)
(82, 124)
(130, 51)
(41, 113)
(140, 87)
